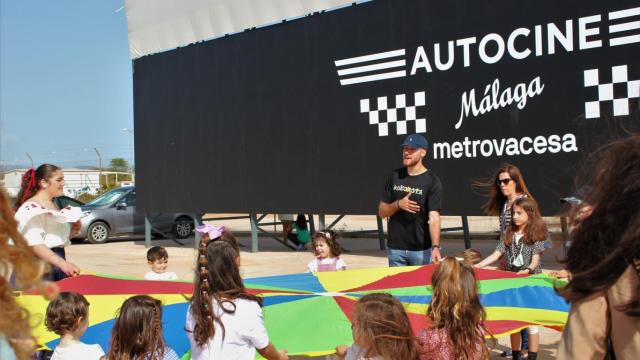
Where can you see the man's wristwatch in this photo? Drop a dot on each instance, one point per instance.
(436, 247)
(531, 270)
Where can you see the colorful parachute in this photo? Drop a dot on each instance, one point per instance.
(310, 314)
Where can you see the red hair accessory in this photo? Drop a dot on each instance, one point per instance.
(31, 185)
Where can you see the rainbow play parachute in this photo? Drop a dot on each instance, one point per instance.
(295, 304)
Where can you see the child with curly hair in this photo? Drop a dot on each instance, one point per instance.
(68, 316)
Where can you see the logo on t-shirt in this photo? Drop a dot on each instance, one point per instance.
(406, 189)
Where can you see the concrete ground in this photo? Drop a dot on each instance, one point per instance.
(127, 257)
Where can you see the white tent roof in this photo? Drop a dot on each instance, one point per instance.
(161, 25)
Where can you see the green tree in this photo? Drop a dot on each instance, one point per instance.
(119, 164)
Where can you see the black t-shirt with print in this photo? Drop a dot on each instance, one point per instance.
(409, 231)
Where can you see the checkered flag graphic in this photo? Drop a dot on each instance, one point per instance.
(399, 115)
(625, 91)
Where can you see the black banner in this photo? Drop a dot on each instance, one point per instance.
(309, 115)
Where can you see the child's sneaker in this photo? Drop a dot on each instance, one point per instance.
(301, 247)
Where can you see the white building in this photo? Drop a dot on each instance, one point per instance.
(77, 181)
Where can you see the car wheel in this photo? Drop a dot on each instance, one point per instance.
(183, 227)
(98, 233)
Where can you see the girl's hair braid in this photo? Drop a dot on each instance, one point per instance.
(205, 300)
(204, 278)
(158, 338)
(137, 332)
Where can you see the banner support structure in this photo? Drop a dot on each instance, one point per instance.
(380, 233)
(147, 233)
(465, 231)
(197, 221)
(254, 232)
(255, 229)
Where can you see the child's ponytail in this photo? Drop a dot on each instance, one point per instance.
(30, 180)
(27, 187)
(201, 307)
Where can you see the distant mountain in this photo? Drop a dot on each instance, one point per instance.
(5, 168)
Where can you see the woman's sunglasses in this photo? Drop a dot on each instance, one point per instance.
(503, 181)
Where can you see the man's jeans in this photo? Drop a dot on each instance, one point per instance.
(409, 258)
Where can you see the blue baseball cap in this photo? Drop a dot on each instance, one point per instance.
(416, 141)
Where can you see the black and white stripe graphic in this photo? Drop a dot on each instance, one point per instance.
(368, 67)
(623, 33)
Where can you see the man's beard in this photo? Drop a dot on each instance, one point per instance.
(411, 162)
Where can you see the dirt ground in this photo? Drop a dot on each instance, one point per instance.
(127, 257)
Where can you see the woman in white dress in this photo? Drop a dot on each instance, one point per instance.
(47, 228)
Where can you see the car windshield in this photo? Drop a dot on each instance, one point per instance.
(107, 198)
(64, 201)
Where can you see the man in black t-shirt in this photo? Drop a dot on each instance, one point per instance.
(412, 199)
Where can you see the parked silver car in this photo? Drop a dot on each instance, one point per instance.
(114, 213)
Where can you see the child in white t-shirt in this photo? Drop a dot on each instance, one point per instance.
(223, 320)
(158, 260)
(327, 251)
(68, 316)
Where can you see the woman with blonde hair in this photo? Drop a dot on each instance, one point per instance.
(455, 314)
(18, 258)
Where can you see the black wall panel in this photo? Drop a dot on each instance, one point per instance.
(260, 121)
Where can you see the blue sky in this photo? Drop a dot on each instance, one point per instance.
(65, 82)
